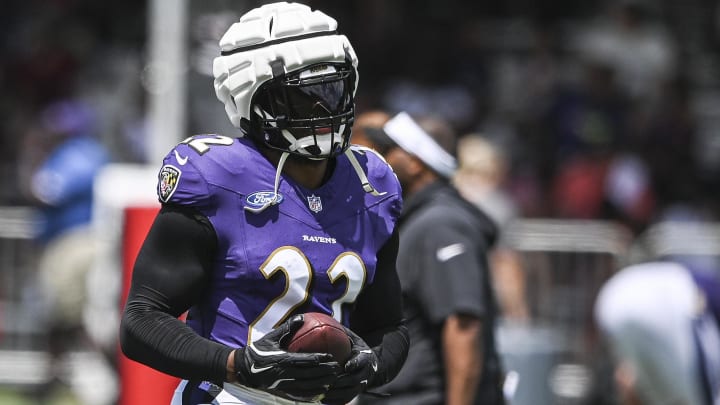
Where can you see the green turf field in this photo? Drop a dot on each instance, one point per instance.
(14, 397)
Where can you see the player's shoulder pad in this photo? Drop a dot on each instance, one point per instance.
(364, 149)
(183, 176)
(378, 171)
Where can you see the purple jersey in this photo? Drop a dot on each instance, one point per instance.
(313, 251)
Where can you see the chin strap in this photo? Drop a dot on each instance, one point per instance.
(361, 174)
(274, 198)
(353, 161)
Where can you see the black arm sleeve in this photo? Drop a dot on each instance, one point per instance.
(169, 276)
(378, 317)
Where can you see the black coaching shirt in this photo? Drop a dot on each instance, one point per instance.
(443, 268)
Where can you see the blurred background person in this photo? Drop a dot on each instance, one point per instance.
(449, 302)
(482, 179)
(367, 130)
(64, 157)
(627, 36)
(662, 321)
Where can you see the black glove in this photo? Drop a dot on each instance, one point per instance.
(265, 365)
(358, 374)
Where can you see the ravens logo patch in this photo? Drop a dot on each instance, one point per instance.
(167, 182)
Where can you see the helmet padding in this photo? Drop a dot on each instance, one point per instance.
(288, 32)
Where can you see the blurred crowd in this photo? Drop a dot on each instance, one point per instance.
(81, 52)
(605, 109)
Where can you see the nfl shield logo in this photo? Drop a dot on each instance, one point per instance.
(314, 203)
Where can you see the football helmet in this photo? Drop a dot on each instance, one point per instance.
(288, 79)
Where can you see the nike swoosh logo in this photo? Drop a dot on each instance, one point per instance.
(180, 159)
(265, 352)
(373, 364)
(448, 252)
(277, 382)
(256, 370)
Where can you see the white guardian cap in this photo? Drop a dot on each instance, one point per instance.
(288, 79)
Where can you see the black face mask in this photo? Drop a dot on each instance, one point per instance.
(318, 99)
(315, 101)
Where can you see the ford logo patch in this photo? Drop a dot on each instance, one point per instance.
(260, 198)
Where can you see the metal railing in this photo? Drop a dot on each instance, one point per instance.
(554, 353)
(18, 259)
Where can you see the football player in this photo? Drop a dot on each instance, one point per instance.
(259, 228)
(662, 322)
